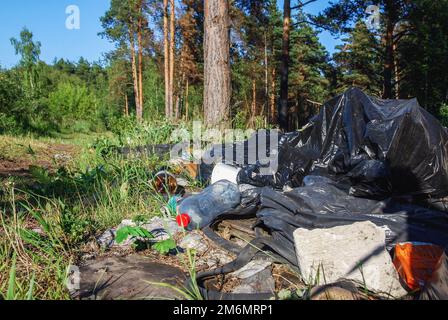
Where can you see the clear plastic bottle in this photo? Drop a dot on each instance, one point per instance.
(217, 199)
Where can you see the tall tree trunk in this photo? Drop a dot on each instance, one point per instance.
(134, 69)
(266, 81)
(272, 119)
(172, 43)
(254, 98)
(388, 64)
(166, 58)
(140, 68)
(397, 73)
(391, 16)
(126, 105)
(284, 69)
(217, 82)
(186, 100)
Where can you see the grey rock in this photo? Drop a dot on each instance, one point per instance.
(261, 282)
(128, 278)
(356, 252)
(107, 239)
(215, 258)
(194, 241)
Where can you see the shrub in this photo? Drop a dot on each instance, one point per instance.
(443, 115)
(71, 102)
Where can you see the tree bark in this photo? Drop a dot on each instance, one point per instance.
(126, 105)
(217, 82)
(172, 44)
(273, 85)
(166, 58)
(254, 98)
(186, 100)
(388, 64)
(284, 69)
(397, 73)
(266, 81)
(140, 66)
(391, 16)
(134, 69)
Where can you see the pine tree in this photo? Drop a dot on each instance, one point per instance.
(125, 23)
(308, 85)
(423, 55)
(191, 55)
(359, 61)
(340, 16)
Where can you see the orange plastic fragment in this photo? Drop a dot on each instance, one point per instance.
(416, 263)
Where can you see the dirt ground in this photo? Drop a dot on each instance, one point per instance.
(16, 157)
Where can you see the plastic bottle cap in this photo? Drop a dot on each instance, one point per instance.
(183, 220)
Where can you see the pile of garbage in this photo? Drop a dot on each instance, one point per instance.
(359, 195)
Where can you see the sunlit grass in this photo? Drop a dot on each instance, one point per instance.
(47, 216)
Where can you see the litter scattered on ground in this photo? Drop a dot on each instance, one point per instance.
(213, 201)
(416, 263)
(161, 228)
(225, 172)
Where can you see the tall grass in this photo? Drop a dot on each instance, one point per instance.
(47, 219)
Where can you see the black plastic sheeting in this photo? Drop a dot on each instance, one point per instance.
(382, 147)
(322, 205)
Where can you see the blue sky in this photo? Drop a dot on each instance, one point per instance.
(46, 19)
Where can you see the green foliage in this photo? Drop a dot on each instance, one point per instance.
(135, 232)
(166, 246)
(310, 65)
(11, 293)
(443, 115)
(72, 102)
(74, 227)
(359, 62)
(142, 236)
(8, 124)
(131, 134)
(29, 50)
(423, 54)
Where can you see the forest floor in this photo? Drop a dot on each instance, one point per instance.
(17, 155)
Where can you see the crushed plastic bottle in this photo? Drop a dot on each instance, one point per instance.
(217, 199)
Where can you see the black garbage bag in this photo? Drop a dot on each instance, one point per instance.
(323, 205)
(386, 147)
